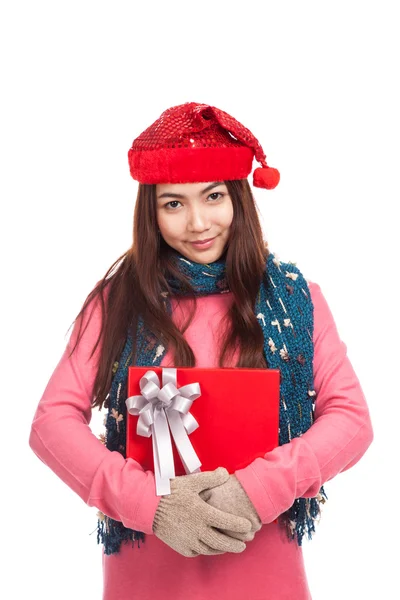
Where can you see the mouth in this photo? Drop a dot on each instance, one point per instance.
(203, 244)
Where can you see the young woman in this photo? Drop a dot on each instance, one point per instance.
(199, 287)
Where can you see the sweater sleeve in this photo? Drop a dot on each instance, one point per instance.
(61, 437)
(338, 438)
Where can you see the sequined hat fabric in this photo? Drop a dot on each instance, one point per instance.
(195, 142)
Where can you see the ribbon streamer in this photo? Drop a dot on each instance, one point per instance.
(163, 409)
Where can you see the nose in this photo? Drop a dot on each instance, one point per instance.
(198, 220)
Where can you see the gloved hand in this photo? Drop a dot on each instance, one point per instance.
(186, 523)
(231, 497)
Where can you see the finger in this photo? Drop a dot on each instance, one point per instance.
(244, 537)
(202, 548)
(219, 541)
(205, 495)
(189, 554)
(223, 520)
(209, 479)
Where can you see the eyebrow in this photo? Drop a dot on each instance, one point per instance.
(206, 189)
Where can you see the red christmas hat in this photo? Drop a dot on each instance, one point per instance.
(195, 142)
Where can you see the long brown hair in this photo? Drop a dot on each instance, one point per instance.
(135, 281)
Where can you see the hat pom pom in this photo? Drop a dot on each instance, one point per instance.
(266, 177)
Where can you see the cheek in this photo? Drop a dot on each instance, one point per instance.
(227, 217)
(168, 227)
(161, 221)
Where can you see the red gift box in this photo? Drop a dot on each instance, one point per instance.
(237, 412)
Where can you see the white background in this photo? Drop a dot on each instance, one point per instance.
(317, 83)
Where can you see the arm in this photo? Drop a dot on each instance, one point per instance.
(61, 437)
(338, 438)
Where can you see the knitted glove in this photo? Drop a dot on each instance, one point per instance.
(186, 523)
(231, 497)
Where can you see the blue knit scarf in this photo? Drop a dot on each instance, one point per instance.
(285, 312)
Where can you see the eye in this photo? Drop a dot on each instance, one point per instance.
(169, 206)
(168, 203)
(215, 194)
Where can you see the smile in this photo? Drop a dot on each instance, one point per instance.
(203, 245)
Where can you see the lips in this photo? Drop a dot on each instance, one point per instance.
(203, 245)
(202, 241)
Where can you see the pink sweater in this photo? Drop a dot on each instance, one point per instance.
(270, 566)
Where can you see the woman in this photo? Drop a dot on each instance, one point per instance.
(199, 287)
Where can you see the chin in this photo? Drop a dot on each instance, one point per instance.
(205, 257)
(205, 261)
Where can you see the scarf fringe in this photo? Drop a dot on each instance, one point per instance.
(112, 534)
(300, 518)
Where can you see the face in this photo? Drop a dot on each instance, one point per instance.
(193, 212)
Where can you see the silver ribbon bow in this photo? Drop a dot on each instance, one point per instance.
(157, 407)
